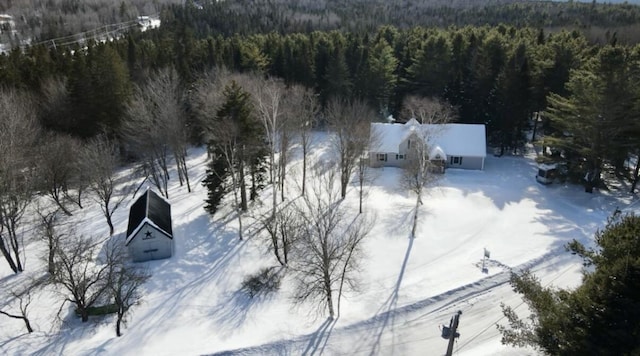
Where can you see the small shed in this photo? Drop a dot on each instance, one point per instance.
(149, 234)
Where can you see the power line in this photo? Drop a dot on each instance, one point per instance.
(516, 307)
(103, 31)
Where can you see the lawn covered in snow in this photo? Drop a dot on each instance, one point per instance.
(409, 287)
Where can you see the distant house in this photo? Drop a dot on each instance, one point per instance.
(149, 235)
(6, 23)
(450, 145)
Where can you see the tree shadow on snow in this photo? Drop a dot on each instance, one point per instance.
(198, 262)
(386, 313)
(232, 312)
(319, 339)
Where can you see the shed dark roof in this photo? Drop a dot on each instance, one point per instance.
(150, 205)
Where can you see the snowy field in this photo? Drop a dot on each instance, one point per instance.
(192, 303)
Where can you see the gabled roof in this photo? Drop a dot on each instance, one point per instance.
(152, 208)
(454, 139)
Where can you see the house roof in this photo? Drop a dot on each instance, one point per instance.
(454, 139)
(150, 207)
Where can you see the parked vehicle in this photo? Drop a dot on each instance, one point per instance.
(549, 173)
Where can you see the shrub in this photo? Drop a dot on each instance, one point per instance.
(265, 281)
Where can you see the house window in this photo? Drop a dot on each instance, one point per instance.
(399, 157)
(456, 160)
(408, 143)
(381, 157)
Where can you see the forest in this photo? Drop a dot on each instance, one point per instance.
(497, 75)
(40, 21)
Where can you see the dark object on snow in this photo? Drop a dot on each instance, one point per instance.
(149, 234)
(446, 330)
(265, 281)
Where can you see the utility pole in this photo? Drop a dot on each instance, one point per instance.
(453, 334)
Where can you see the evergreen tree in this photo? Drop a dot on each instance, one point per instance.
(590, 121)
(215, 182)
(380, 76)
(430, 70)
(240, 136)
(514, 101)
(602, 316)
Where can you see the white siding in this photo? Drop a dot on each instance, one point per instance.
(150, 243)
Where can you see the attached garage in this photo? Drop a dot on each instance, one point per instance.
(149, 234)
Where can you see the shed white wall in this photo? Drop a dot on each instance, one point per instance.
(156, 248)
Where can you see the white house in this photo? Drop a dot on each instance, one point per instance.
(149, 234)
(456, 145)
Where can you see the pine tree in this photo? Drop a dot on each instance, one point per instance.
(602, 316)
(591, 120)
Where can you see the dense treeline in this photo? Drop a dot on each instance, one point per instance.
(43, 20)
(248, 16)
(495, 75)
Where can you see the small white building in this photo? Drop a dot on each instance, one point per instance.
(6, 24)
(149, 234)
(455, 145)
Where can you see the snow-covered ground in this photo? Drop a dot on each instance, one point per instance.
(410, 287)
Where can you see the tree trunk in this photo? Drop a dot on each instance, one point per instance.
(84, 314)
(27, 324)
(415, 217)
(636, 171)
(7, 256)
(51, 265)
(535, 126)
(304, 170)
(329, 297)
(110, 223)
(24, 318)
(242, 186)
(118, 322)
(344, 181)
(15, 246)
(183, 158)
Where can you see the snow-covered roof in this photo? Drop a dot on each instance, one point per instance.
(454, 139)
(437, 152)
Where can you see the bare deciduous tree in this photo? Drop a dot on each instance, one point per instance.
(57, 167)
(303, 108)
(125, 282)
(283, 229)
(23, 297)
(18, 134)
(327, 248)
(364, 174)
(80, 275)
(99, 159)
(156, 127)
(207, 98)
(225, 144)
(48, 220)
(268, 96)
(422, 168)
(349, 123)
(428, 110)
